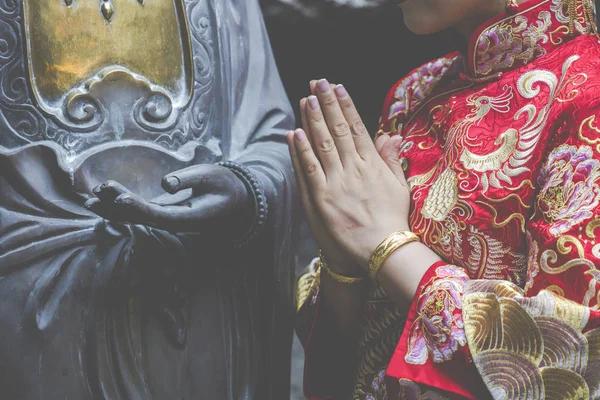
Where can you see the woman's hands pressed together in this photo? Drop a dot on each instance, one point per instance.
(354, 195)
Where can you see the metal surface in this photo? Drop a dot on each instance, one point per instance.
(113, 307)
(67, 45)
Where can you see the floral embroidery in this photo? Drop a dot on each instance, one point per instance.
(516, 41)
(417, 87)
(379, 388)
(569, 193)
(438, 328)
(533, 266)
(502, 45)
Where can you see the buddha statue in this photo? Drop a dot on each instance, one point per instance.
(146, 202)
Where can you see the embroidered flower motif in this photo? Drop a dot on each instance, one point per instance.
(533, 266)
(438, 328)
(417, 87)
(500, 46)
(379, 388)
(569, 193)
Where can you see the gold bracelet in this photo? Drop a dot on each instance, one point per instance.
(386, 248)
(346, 280)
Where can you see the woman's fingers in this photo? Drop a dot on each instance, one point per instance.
(362, 140)
(303, 187)
(305, 161)
(336, 122)
(380, 141)
(303, 114)
(313, 86)
(321, 139)
(390, 154)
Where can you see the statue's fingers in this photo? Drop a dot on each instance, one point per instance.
(200, 213)
(109, 191)
(203, 176)
(102, 209)
(136, 210)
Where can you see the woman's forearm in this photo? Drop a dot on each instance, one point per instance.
(402, 272)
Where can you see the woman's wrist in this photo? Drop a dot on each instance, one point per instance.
(402, 272)
(346, 268)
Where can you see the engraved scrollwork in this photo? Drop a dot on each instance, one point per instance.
(90, 113)
(84, 111)
(10, 8)
(203, 60)
(155, 112)
(13, 85)
(23, 120)
(8, 41)
(203, 66)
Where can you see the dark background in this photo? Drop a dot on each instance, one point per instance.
(360, 43)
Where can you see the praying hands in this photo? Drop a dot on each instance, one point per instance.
(353, 191)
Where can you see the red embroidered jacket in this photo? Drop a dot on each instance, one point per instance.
(502, 149)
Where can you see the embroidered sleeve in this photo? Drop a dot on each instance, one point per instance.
(432, 350)
(437, 331)
(540, 341)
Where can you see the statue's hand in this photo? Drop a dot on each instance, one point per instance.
(219, 200)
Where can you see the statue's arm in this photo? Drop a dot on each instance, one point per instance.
(262, 111)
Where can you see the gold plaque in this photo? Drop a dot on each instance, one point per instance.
(71, 41)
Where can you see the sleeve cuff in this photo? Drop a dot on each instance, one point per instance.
(316, 366)
(433, 347)
(315, 334)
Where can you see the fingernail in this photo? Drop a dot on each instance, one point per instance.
(340, 91)
(313, 83)
(313, 102)
(172, 182)
(300, 135)
(323, 86)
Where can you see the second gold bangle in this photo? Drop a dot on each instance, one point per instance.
(386, 248)
(346, 280)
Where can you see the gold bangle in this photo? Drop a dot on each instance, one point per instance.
(346, 280)
(386, 248)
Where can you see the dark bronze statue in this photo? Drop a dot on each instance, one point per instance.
(146, 202)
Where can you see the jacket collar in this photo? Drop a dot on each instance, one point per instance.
(506, 42)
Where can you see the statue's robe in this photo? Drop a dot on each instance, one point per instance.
(103, 310)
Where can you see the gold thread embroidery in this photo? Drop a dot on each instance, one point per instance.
(519, 217)
(307, 285)
(529, 347)
(589, 123)
(442, 196)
